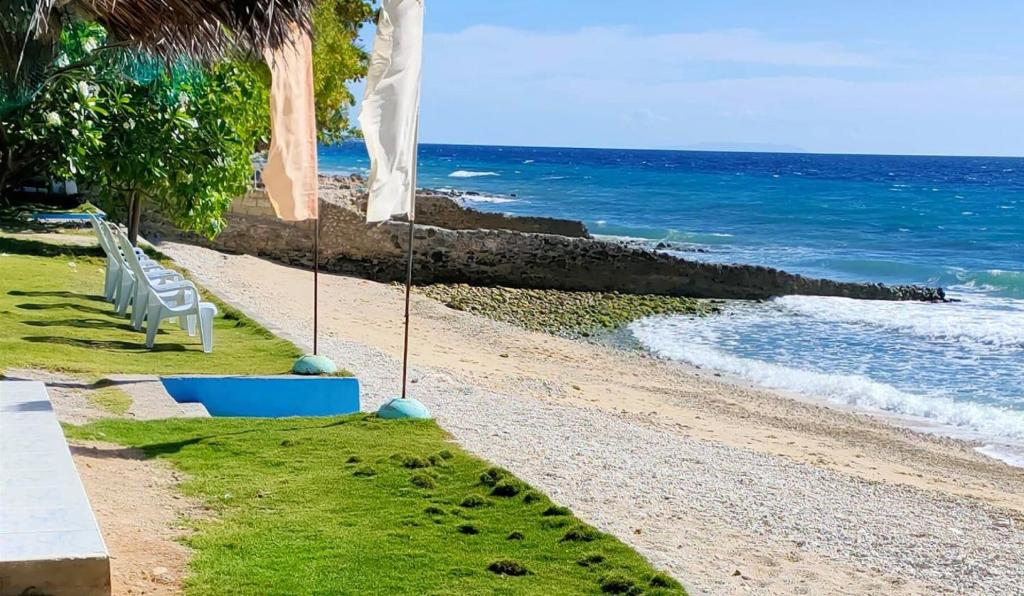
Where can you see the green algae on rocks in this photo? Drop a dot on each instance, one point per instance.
(570, 314)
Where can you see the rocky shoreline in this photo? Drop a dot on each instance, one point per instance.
(567, 314)
(705, 477)
(456, 244)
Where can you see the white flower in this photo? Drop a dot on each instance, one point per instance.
(52, 119)
(84, 90)
(89, 45)
(74, 132)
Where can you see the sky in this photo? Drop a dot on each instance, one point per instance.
(895, 77)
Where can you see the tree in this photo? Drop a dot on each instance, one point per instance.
(337, 61)
(50, 120)
(138, 132)
(134, 130)
(180, 141)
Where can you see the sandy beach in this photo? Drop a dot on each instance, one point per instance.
(730, 488)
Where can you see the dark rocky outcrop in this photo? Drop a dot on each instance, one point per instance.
(444, 211)
(503, 256)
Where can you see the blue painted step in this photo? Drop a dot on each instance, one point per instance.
(267, 397)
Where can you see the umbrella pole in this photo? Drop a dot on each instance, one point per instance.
(406, 407)
(408, 293)
(314, 364)
(316, 280)
(408, 266)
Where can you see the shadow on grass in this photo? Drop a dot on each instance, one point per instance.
(104, 344)
(108, 452)
(45, 249)
(158, 449)
(83, 385)
(69, 305)
(83, 324)
(57, 294)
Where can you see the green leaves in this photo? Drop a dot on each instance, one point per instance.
(337, 61)
(180, 139)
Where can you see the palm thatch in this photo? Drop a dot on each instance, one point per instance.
(202, 30)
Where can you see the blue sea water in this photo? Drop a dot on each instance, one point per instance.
(956, 222)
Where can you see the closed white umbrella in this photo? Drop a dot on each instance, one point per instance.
(389, 120)
(390, 111)
(290, 174)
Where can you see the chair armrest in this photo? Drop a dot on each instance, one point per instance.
(157, 274)
(162, 293)
(172, 286)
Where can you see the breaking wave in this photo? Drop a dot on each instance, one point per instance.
(470, 174)
(976, 419)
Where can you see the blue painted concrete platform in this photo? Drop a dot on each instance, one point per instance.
(267, 397)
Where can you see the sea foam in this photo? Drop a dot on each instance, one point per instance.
(470, 174)
(468, 199)
(977, 320)
(971, 420)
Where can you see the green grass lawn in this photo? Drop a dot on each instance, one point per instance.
(359, 505)
(353, 505)
(53, 316)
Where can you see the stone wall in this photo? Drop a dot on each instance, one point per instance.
(254, 204)
(499, 256)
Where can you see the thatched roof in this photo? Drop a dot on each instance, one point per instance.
(199, 29)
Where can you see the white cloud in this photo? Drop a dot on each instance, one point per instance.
(616, 87)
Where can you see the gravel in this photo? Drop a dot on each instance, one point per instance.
(721, 519)
(645, 485)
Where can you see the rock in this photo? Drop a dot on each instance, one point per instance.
(456, 244)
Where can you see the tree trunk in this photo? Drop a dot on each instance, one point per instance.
(134, 217)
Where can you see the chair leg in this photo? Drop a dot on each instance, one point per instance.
(183, 319)
(125, 296)
(110, 279)
(117, 285)
(153, 315)
(206, 329)
(190, 324)
(139, 309)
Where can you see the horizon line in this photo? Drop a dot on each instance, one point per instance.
(676, 150)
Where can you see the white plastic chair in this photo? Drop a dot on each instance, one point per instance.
(134, 264)
(142, 282)
(160, 294)
(188, 307)
(112, 279)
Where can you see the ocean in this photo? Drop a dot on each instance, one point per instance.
(955, 222)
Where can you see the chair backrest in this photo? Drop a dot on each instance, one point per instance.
(98, 227)
(128, 254)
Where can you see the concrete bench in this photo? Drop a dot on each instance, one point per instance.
(49, 540)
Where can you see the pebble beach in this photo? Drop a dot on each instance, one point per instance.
(730, 488)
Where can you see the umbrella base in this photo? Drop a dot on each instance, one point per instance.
(314, 365)
(404, 409)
